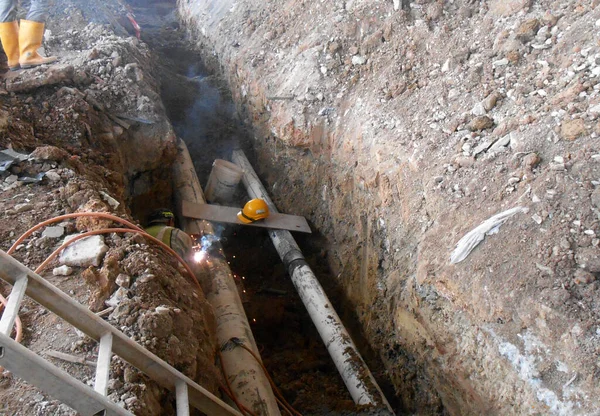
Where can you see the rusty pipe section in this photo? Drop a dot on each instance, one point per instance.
(248, 381)
(356, 375)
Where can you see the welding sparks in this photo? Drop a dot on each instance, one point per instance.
(200, 256)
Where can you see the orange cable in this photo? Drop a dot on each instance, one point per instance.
(119, 230)
(69, 216)
(230, 393)
(275, 389)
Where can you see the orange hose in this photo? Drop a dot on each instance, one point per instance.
(68, 216)
(229, 391)
(284, 402)
(119, 230)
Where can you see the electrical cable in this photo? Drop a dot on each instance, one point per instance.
(286, 405)
(229, 391)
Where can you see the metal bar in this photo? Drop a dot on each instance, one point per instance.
(183, 401)
(103, 366)
(12, 306)
(54, 381)
(354, 371)
(86, 321)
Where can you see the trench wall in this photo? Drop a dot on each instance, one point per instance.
(365, 117)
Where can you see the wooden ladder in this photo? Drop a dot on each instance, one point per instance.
(57, 383)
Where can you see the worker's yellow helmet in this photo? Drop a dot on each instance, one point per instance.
(254, 210)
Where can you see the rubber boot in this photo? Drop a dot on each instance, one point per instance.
(9, 35)
(30, 40)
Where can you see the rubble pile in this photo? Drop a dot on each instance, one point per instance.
(90, 134)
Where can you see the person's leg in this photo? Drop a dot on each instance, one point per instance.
(8, 11)
(38, 11)
(9, 32)
(31, 35)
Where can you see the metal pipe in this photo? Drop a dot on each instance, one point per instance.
(248, 381)
(356, 375)
(249, 384)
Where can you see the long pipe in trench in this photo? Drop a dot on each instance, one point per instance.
(356, 375)
(247, 379)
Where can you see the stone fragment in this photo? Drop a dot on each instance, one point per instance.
(50, 153)
(117, 297)
(123, 280)
(63, 270)
(23, 207)
(481, 123)
(588, 258)
(478, 110)
(490, 101)
(502, 8)
(359, 60)
(465, 161)
(596, 198)
(583, 278)
(86, 252)
(527, 30)
(531, 161)
(572, 129)
(53, 176)
(334, 47)
(54, 232)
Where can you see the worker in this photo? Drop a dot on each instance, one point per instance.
(254, 210)
(161, 225)
(21, 44)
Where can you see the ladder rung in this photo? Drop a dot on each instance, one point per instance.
(12, 307)
(103, 366)
(183, 401)
(57, 383)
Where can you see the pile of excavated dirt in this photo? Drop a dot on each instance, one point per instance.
(397, 128)
(94, 137)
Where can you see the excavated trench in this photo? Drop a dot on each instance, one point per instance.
(200, 108)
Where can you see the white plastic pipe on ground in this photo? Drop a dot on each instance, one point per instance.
(248, 381)
(358, 379)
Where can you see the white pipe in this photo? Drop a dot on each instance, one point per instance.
(356, 375)
(248, 381)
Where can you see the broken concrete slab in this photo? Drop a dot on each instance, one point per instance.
(86, 252)
(54, 232)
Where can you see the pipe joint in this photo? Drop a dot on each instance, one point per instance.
(292, 256)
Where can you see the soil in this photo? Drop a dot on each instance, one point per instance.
(396, 128)
(96, 138)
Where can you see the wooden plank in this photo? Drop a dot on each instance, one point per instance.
(32, 368)
(103, 367)
(12, 306)
(182, 399)
(95, 327)
(220, 213)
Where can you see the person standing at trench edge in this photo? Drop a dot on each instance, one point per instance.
(21, 44)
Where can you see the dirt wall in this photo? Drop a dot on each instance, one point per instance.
(396, 129)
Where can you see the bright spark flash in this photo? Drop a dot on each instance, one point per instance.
(199, 256)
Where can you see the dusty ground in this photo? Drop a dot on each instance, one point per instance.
(99, 140)
(396, 128)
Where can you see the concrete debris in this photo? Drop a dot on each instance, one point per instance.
(466, 244)
(86, 252)
(117, 297)
(123, 280)
(63, 270)
(53, 232)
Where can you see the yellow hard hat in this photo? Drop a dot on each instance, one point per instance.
(254, 210)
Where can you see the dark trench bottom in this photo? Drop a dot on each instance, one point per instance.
(200, 109)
